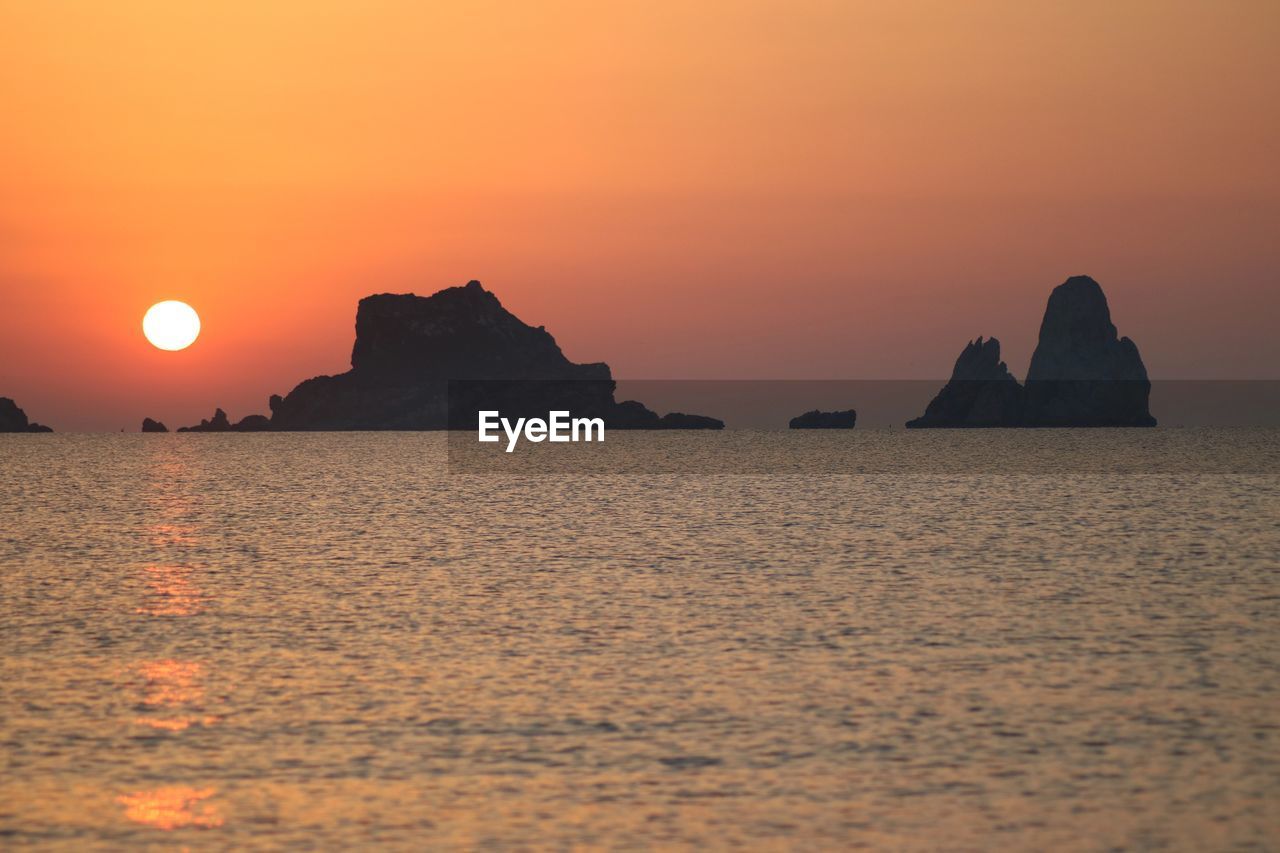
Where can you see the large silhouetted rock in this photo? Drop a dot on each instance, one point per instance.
(1082, 373)
(13, 419)
(981, 393)
(432, 362)
(149, 425)
(825, 420)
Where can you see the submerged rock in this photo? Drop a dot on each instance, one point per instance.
(149, 425)
(432, 362)
(981, 392)
(1082, 373)
(13, 419)
(825, 420)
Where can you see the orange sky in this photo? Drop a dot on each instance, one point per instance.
(726, 188)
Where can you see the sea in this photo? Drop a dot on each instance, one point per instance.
(875, 639)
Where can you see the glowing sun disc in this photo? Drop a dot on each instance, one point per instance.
(171, 325)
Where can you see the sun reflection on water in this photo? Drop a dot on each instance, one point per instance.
(172, 691)
(172, 592)
(172, 807)
(172, 534)
(172, 684)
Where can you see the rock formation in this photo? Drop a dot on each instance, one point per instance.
(679, 420)
(252, 423)
(13, 419)
(220, 423)
(149, 425)
(981, 393)
(432, 362)
(1081, 375)
(630, 414)
(825, 420)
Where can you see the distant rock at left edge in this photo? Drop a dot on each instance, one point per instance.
(13, 419)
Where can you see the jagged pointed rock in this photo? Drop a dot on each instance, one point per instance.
(218, 423)
(981, 392)
(1082, 373)
(149, 425)
(221, 423)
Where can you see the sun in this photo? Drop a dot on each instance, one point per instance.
(171, 325)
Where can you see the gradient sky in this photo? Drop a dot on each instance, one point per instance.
(718, 189)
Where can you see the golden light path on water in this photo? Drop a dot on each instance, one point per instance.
(173, 691)
(173, 807)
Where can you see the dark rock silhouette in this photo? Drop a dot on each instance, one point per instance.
(432, 362)
(13, 419)
(218, 423)
(149, 425)
(252, 423)
(679, 420)
(1082, 373)
(630, 414)
(825, 420)
(981, 393)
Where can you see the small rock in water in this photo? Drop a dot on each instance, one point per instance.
(825, 420)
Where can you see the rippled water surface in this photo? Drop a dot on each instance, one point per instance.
(330, 640)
